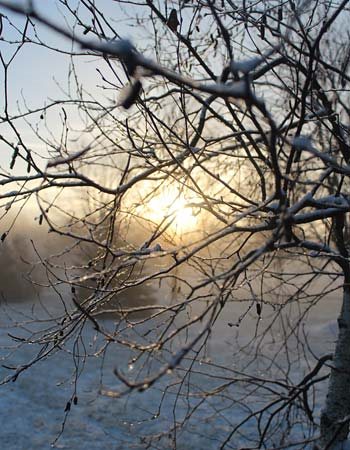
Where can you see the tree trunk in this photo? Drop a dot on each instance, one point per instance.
(333, 427)
(335, 417)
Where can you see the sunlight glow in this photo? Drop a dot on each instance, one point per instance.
(173, 207)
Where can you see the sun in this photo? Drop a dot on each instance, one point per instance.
(173, 208)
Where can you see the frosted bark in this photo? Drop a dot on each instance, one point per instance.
(334, 418)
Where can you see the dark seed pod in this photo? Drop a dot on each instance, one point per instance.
(173, 21)
(131, 93)
(67, 408)
(262, 31)
(258, 309)
(262, 26)
(28, 161)
(75, 400)
(14, 157)
(41, 219)
(3, 236)
(87, 29)
(280, 14)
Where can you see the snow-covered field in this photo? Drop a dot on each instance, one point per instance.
(32, 408)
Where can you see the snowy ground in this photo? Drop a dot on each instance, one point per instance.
(32, 408)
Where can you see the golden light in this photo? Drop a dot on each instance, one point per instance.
(171, 206)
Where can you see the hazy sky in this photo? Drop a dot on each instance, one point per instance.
(37, 75)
